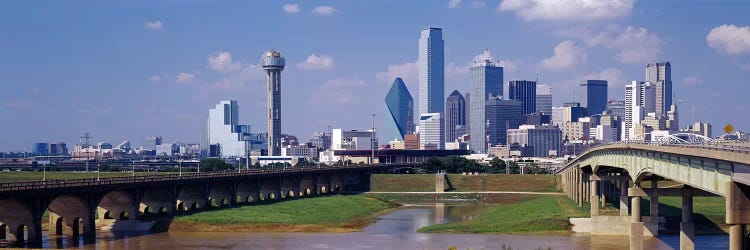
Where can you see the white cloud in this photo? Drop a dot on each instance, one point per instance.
(567, 56)
(454, 3)
(234, 74)
(154, 78)
(407, 72)
(478, 4)
(317, 62)
(615, 77)
(571, 10)
(291, 8)
(691, 80)
(153, 25)
(730, 39)
(635, 45)
(223, 63)
(184, 77)
(324, 10)
(338, 91)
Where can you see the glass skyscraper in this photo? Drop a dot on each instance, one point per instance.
(223, 130)
(525, 92)
(486, 81)
(399, 111)
(431, 134)
(455, 108)
(431, 65)
(595, 96)
(660, 75)
(544, 99)
(501, 116)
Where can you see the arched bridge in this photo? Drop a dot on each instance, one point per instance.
(81, 206)
(630, 171)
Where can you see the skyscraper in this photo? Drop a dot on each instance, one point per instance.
(525, 92)
(639, 101)
(544, 99)
(431, 65)
(455, 108)
(223, 130)
(431, 133)
(467, 113)
(40, 148)
(399, 111)
(501, 116)
(273, 64)
(595, 97)
(486, 82)
(660, 75)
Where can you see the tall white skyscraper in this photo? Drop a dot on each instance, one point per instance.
(223, 129)
(544, 99)
(431, 65)
(660, 76)
(639, 101)
(486, 81)
(431, 133)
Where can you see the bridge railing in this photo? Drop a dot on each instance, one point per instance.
(68, 183)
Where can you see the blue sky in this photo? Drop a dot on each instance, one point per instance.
(124, 70)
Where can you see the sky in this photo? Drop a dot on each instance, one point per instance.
(125, 70)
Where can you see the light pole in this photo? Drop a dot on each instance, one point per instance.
(44, 172)
(372, 140)
(180, 162)
(132, 166)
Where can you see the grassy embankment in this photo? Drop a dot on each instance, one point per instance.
(15, 176)
(338, 213)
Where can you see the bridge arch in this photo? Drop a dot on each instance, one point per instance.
(114, 206)
(193, 197)
(289, 186)
(307, 185)
(15, 214)
(270, 189)
(68, 214)
(247, 191)
(154, 199)
(220, 195)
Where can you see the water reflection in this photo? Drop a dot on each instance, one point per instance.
(395, 230)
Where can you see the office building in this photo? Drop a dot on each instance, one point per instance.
(659, 74)
(353, 139)
(273, 64)
(411, 141)
(579, 130)
(399, 106)
(571, 111)
(40, 148)
(536, 141)
(167, 149)
(224, 132)
(557, 116)
(501, 115)
(639, 101)
(58, 148)
(321, 140)
(455, 116)
(431, 134)
(616, 108)
(467, 113)
(544, 99)
(151, 142)
(595, 96)
(525, 92)
(700, 128)
(486, 83)
(431, 65)
(537, 118)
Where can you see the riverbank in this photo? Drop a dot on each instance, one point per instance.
(540, 214)
(464, 183)
(337, 213)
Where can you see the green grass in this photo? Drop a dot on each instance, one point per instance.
(502, 182)
(327, 210)
(402, 183)
(538, 215)
(708, 213)
(16, 176)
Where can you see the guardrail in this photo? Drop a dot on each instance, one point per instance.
(68, 183)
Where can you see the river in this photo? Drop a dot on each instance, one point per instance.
(394, 230)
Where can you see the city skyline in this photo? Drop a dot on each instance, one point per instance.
(126, 78)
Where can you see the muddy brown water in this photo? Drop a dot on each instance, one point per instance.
(394, 230)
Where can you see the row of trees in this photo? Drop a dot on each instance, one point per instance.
(455, 165)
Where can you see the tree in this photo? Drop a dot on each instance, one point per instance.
(514, 168)
(497, 165)
(214, 164)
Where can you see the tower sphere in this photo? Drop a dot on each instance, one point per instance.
(272, 60)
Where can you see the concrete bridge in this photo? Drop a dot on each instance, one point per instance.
(624, 173)
(79, 207)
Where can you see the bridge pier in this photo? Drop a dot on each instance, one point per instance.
(579, 185)
(624, 197)
(654, 202)
(594, 197)
(636, 221)
(687, 226)
(737, 213)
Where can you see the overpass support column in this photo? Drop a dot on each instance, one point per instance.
(654, 202)
(624, 198)
(579, 186)
(687, 226)
(636, 223)
(737, 214)
(594, 183)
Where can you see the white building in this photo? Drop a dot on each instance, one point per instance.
(431, 134)
(353, 139)
(557, 116)
(639, 101)
(222, 129)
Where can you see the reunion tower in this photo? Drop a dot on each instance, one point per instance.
(273, 64)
